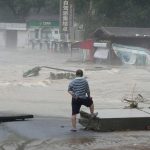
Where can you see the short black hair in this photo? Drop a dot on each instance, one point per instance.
(79, 73)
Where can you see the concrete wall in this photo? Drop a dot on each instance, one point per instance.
(22, 39)
(21, 36)
(13, 26)
(2, 38)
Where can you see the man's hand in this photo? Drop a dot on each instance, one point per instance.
(73, 95)
(76, 97)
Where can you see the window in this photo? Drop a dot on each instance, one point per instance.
(56, 31)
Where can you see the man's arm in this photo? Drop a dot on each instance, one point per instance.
(70, 90)
(88, 90)
(88, 93)
(71, 93)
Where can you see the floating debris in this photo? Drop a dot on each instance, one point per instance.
(56, 76)
(32, 72)
(35, 72)
(133, 103)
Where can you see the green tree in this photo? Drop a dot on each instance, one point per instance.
(18, 7)
(52, 6)
(22, 8)
(124, 13)
(91, 14)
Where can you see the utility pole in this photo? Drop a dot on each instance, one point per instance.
(89, 15)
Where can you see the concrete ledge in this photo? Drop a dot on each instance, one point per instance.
(116, 120)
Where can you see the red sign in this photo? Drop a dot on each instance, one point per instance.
(87, 44)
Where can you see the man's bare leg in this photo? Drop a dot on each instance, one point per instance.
(92, 111)
(92, 108)
(73, 120)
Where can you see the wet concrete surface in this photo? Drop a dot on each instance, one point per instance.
(53, 133)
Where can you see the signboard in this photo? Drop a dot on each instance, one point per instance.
(66, 15)
(71, 13)
(37, 23)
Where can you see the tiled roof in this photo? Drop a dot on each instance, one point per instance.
(123, 31)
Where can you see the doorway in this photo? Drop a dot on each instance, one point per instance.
(11, 38)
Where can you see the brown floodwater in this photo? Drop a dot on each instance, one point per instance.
(49, 99)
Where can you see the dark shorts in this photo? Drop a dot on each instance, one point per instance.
(77, 103)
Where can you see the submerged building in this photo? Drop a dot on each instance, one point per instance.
(126, 45)
(13, 35)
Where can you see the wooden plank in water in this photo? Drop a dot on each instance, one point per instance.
(116, 119)
(6, 117)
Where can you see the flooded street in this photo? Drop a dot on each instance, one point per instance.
(49, 101)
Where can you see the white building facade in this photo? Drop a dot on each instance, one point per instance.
(13, 35)
(36, 34)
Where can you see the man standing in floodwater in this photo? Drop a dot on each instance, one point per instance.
(80, 92)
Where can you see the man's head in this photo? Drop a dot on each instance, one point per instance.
(79, 73)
